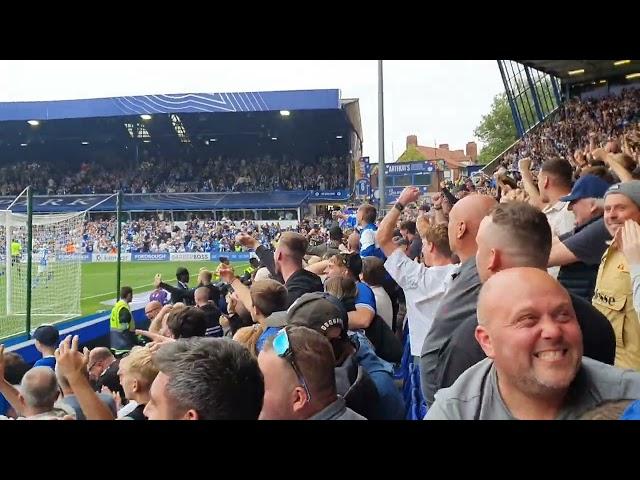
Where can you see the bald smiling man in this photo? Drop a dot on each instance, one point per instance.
(516, 234)
(459, 302)
(535, 369)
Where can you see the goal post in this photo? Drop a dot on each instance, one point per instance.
(40, 281)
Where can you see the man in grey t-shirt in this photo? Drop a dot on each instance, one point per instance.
(536, 369)
(459, 303)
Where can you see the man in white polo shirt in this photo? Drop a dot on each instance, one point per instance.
(425, 284)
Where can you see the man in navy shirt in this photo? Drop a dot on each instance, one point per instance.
(46, 340)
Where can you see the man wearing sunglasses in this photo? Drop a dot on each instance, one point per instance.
(372, 392)
(298, 369)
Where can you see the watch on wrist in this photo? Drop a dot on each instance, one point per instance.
(399, 206)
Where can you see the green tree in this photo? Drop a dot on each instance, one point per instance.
(411, 154)
(496, 130)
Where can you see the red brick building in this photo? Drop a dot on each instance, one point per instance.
(454, 160)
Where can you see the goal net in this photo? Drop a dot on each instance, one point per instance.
(55, 269)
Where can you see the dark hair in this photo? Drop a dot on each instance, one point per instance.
(216, 377)
(314, 357)
(373, 272)
(187, 322)
(369, 213)
(626, 161)
(14, 367)
(409, 226)
(335, 233)
(268, 296)
(125, 292)
(602, 172)
(559, 169)
(182, 274)
(528, 231)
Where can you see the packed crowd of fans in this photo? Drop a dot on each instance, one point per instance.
(157, 174)
(195, 235)
(518, 305)
(578, 126)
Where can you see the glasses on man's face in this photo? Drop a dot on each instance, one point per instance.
(282, 348)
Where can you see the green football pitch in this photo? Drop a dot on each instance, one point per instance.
(99, 285)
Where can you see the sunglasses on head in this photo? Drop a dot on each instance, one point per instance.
(282, 348)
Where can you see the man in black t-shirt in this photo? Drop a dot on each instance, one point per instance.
(103, 371)
(579, 252)
(285, 264)
(182, 293)
(211, 312)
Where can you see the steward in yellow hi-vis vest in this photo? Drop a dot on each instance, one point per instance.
(614, 291)
(123, 327)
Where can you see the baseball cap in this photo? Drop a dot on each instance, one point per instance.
(318, 311)
(630, 189)
(589, 186)
(47, 335)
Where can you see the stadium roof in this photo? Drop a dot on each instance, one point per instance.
(289, 122)
(594, 70)
(171, 103)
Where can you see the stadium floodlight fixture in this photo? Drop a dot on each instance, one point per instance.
(85, 143)
(617, 63)
(23, 144)
(602, 81)
(274, 138)
(576, 72)
(213, 139)
(285, 113)
(632, 75)
(339, 137)
(145, 117)
(33, 123)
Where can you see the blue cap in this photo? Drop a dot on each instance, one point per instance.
(589, 186)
